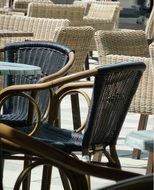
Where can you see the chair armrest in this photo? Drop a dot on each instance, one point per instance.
(47, 85)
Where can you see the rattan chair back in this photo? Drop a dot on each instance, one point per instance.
(79, 39)
(73, 13)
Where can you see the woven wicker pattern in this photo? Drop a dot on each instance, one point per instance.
(151, 49)
(102, 17)
(128, 45)
(71, 12)
(149, 30)
(2, 3)
(79, 39)
(123, 42)
(42, 28)
(87, 3)
(22, 5)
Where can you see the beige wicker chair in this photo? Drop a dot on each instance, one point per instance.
(22, 5)
(115, 46)
(60, 11)
(79, 39)
(87, 3)
(102, 17)
(42, 28)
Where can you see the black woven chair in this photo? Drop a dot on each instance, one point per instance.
(53, 58)
(114, 87)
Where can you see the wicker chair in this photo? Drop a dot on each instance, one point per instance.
(102, 17)
(87, 3)
(42, 28)
(55, 60)
(74, 169)
(130, 45)
(79, 39)
(119, 81)
(22, 5)
(59, 11)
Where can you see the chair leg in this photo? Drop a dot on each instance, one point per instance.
(46, 177)
(114, 156)
(97, 156)
(142, 126)
(87, 65)
(1, 167)
(150, 165)
(26, 181)
(65, 181)
(75, 111)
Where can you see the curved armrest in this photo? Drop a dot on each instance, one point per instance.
(33, 106)
(48, 84)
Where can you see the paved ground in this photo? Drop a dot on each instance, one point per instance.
(12, 168)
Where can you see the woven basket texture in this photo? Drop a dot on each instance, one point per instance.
(117, 46)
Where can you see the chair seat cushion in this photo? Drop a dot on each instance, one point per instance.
(63, 139)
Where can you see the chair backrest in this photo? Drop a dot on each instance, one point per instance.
(87, 3)
(122, 42)
(102, 11)
(51, 57)
(114, 88)
(59, 11)
(42, 28)
(22, 5)
(79, 39)
(2, 3)
(149, 29)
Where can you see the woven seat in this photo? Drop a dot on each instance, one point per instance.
(114, 88)
(130, 45)
(73, 13)
(75, 170)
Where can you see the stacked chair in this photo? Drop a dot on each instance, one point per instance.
(126, 45)
(114, 87)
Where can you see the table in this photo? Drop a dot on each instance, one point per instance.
(11, 68)
(143, 140)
